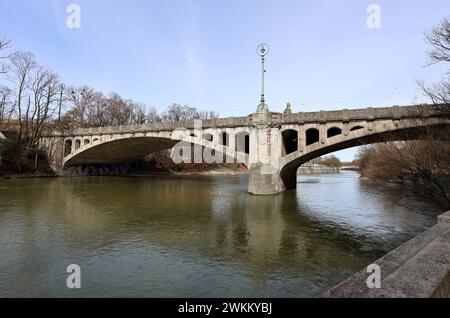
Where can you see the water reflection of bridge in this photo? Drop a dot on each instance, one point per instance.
(261, 232)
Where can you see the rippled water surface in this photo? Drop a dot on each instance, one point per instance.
(193, 236)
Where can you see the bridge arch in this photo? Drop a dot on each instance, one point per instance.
(124, 148)
(117, 150)
(312, 136)
(357, 127)
(225, 139)
(77, 144)
(392, 131)
(68, 143)
(243, 141)
(334, 131)
(208, 137)
(290, 141)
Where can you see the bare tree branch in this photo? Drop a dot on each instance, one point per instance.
(438, 38)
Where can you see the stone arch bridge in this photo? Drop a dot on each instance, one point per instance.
(272, 145)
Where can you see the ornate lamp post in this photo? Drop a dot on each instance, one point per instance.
(263, 50)
(61, 91)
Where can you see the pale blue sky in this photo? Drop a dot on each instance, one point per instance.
(203, 52)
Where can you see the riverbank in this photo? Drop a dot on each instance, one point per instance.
(420, 268)
(90, 171)
(219, 172)
(414, 203)
(317, 170)
(28, 176)
(19, 162)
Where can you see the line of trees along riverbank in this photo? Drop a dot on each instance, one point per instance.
(33, 100)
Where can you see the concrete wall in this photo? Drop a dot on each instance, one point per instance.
(317, 170)
(419, 268)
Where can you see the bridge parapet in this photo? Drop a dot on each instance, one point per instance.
(346, 115)
(230, 122)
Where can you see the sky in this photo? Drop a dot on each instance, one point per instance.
(203, 52)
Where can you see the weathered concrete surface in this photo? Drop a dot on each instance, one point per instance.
(419, 268)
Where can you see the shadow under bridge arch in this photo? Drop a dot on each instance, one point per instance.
(118, 151)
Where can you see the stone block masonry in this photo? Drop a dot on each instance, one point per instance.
(420, 268)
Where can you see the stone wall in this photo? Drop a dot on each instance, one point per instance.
(419, 268)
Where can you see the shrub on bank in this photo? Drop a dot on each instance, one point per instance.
(15, 159)
(422, 166)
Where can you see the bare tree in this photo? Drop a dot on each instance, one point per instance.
(153, 116)
(97, 111)
(6, 107)
(207, 115)
(438, 39)
(93, 109)
(119, 110)
(22, 65)
(426, 160)
(46, 87)
(4, 54)
(176, 112)
(138, 115)
(79, 98)
(331, 161)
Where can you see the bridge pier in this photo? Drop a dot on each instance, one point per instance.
(54, 145)
(264, 181)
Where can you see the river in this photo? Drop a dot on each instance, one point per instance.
(195, 236)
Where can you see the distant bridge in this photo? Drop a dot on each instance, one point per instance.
(273, 146)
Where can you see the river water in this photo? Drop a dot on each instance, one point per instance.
(193, 236)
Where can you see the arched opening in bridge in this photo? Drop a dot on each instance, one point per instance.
(208, 137)
(290, 141)
(87, 142)
(288, 172)
(225, 139)
(356, 128)
(67, 147)
(243, 142)
(312, 136)
(77, 144)
(96, 139)
(334, 131)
